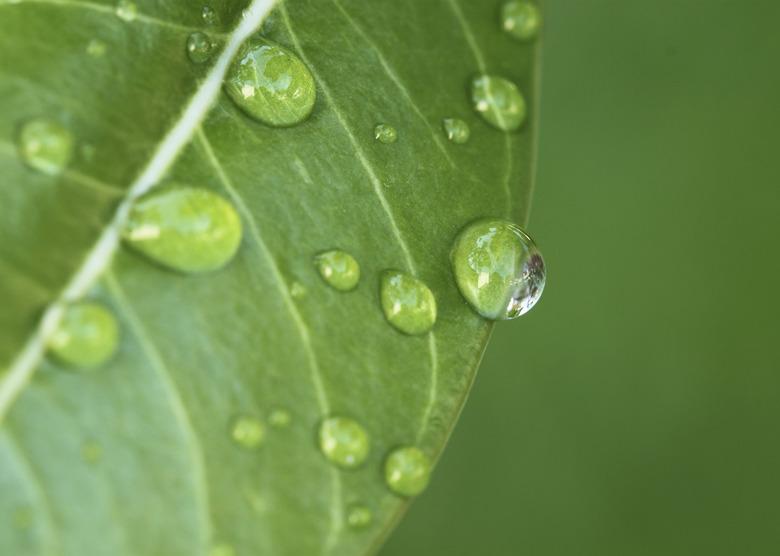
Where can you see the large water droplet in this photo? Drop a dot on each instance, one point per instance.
(498, 269)
(456, 130)
(280, 418)
(498, 101)
(184, 228)
(344, 441)
(339, 269)
(247, 431)
(385, 133)
(45, 145)
(521, 19)
(271, 84)
(359, 516)
(407, 471)
(87, 336)
(199, 47)
(96, 48)
(126, 10)
(408, 304)
(209, 15)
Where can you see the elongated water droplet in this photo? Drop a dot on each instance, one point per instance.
(271, 84)
(222, 549)
(280, 418)
(359, 516)
(498, 269)
(344, 442)
(209, 16)
(407, 471)
(199, 47)
(184, 228)
(96, 48)
(521, 19)
(91, 452)
(87, 336)
(385, 133)
(45, 145)
(247, 431)
(499, 102)
(456, 130)
(339, 269)
(408, 304)
(126, 10)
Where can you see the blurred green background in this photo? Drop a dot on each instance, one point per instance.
(636, 410)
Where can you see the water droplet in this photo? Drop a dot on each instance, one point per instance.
(209, 16)
(521, 19)
(407, 302)
(247, 431)
(498, 269)
(271, 84)
(298, 290)
(87, 336)
(339, 269)
(344, 442)
(91, 452)
(184, 228)
(96, 48)
(222, 549)
(126, 10)
(359, 516)
(199, 47)
(456, 130)
(45, 145)
(499, 102)
(280, 418)
(385, 133)
(407, 471)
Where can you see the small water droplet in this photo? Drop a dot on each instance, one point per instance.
(456, 130)
(359, 516)
(407, 471)
(209, 15)
(199, 47)
(96, 48)
(247, 431)
(344, 442)
(87, 336)
(339, 269)
(126, 10)
(298, 290)
(499, 102)
(521, 19)
(498, 269)
(385, 133)
(271, 84)
(184, 228)
(408, 304)
(222, 549)
(280, 418)
(23, 517)
(91, 451)
(45, 145)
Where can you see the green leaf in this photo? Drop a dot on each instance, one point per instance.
(138, 457)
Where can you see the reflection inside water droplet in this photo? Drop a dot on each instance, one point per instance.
(45, 145)
(199, 47)
(521, 19)
(385, 133)
(456, 130)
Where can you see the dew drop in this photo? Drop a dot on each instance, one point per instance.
(344, 442)
(209, 16)
(498, 101)
(199, 47)
(87, 336)
(185, 229)
(521, 19)
(96, 48)
(498, 269)
(222, 549)
(271, 84)
(408, 304)
(280, 418)
(247, 431)
(407, 471)
(126, 10)
(339, 269)
(359, 516)
(45, 145)
(91, 452)
(385, 133)
(456, 130)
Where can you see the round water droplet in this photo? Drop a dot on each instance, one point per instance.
(184, 228)
(126, 10)
(344, 442)
(271, 84)
(456, 130)
(87, 336)
(247, 431)
(91, 452)
(407, 471)
(521, 19)
(339, 269)
(222, 549)
(96, 48)
(408, 304)
(280, 418)
(199, 47)
(385, 133)
(209, 16)
(45, 145)
(359, 516)
(498, 101)
(498, 269)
